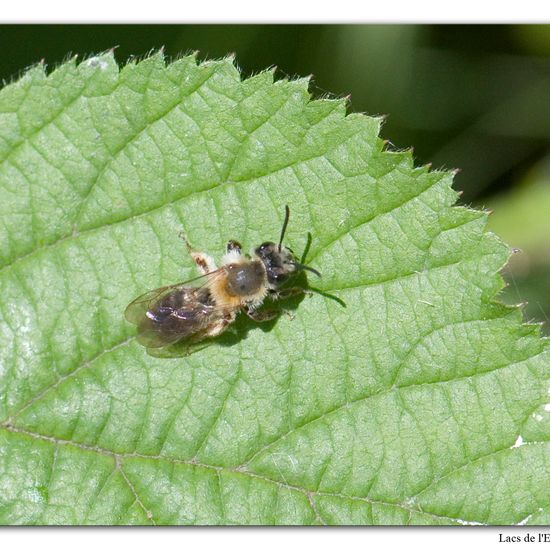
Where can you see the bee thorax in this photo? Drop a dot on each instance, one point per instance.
(245, 280)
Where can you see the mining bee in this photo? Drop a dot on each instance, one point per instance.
(192, 313)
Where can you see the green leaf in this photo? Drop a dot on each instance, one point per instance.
(422, 401)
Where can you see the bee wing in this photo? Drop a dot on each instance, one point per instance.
(175, 312)
(137, 310)
(152, 337)
(165, 325)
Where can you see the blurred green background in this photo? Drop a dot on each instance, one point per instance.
(474, 97)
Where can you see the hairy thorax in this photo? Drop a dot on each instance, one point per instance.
(243, 283)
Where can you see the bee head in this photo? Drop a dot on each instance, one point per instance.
(279, 260)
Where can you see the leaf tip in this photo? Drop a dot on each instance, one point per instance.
(156, 55)
(231, 60)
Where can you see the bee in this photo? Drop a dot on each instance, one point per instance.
(192, 313)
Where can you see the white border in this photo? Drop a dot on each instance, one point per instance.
(269, 538)
(277, 11)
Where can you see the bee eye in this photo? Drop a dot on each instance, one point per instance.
(280, 276)
(265, 246)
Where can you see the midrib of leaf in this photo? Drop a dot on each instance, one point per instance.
(118, 459)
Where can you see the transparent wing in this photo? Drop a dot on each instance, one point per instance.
(137, 310)
(172, 313)
(164, 324)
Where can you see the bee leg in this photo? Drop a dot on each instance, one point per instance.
(219, 326)
(262, 316)
(234, 246)
(289, 292)
(204, 262)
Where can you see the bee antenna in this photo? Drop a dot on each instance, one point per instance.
(285, 223)
(307, 268)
